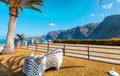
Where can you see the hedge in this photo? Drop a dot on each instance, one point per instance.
(90, 42)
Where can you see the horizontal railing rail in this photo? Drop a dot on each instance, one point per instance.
(85, 50)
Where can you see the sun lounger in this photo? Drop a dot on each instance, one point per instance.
(36, 65)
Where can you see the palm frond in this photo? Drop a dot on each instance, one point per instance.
(20, 36)
(22, 9)
(15, 39)
(5, 1)
(35, 8)
(21, 4)
(39, 2)
(31, 4)
(100, 1)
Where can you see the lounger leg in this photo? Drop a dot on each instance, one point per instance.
(40, 74)
(58, 68)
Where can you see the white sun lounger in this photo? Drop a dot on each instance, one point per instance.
(36, 65)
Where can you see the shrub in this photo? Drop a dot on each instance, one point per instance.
(114, 42)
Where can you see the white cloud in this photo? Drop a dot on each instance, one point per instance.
(93, 15)
(97, 15)
(52, 24)
(118, 0)
(107, 6)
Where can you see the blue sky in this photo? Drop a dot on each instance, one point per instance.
(58, 14)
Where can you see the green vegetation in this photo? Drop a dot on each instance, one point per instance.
(19, 38)
(113, 41)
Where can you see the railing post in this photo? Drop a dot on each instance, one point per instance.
(64, 49)
(48, 47)
(88, 52)
(36, 46)
(27, 46)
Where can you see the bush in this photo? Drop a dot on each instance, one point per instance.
(114, 42)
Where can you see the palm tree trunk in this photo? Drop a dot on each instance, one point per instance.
(19, 44)
(9, 46)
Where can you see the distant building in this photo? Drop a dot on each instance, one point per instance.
(32, 40)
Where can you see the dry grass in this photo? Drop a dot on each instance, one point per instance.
(11, 65)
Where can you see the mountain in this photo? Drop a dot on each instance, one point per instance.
(88, 29)
(52, 35)
(108, 28)
(71, 34)
(79, 32)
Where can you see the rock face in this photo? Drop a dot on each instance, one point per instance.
(52, 35)
(108, 28)
(80, 32)
(71, 34)
(88, 29)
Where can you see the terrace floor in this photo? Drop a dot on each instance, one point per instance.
(11, 65)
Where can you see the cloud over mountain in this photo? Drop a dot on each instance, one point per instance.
(107, 6)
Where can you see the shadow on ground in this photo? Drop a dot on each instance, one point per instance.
(12, 66)
(66, 67)
(0, 53)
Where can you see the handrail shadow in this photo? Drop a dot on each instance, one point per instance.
(66, 67)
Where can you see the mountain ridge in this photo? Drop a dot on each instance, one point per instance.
(108, 28)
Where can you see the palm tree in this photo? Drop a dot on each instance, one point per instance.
(17, 41)
(20, 38)
(14, 7)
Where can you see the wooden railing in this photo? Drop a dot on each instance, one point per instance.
(111, 53)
